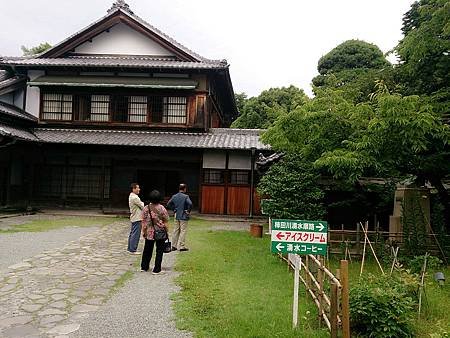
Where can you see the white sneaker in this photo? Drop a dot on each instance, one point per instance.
(158, 273)
(134, 253)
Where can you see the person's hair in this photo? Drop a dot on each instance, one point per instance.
(133, 186)
(182, 187)
(155, 197)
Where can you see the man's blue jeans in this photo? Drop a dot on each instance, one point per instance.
(135, 233)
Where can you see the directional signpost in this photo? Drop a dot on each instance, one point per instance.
(299, 237)
(302, 238)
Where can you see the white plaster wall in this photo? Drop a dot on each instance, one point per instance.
(33, 94)
(18, 98)
(122, 40)
(241, 161)
(214, 159)
(7, 98)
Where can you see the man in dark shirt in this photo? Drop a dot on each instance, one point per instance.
(181, 204)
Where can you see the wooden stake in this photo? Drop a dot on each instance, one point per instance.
(363, 256)
(345, 300)
(424, 269)
(371, 248)
(395, 253)
(320, 277)
(334, 310)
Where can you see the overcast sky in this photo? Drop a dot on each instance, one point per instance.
(268, 43)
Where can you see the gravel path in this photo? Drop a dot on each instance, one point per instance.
(28, 244)
(142, 308)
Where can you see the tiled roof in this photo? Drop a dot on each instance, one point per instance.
(7, 80)
(16, 132)
(110, 61)
(4, 75)
(217, 138)
(16, 112)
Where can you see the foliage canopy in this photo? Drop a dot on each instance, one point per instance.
(36, 49)
(261, 111)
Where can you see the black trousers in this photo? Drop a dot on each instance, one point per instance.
(147, 254)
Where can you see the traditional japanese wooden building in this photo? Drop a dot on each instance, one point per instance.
(119, 102)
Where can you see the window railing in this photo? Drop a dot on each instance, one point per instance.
(114, 108)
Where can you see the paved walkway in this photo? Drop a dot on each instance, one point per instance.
(54, 292)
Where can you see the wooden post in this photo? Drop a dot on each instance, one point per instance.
(296, 282)
(320, 277)
(334, 310)
(345, 300)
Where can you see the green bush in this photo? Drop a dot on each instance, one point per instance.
(382, 306)
(290, 190)
(416, 264)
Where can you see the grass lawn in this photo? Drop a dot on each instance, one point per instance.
(232, 286)
(50, 224)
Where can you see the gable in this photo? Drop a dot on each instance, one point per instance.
(121, 39)
(130, 25)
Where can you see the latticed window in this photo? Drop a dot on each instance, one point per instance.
(213, 176)
(100, 108)
(57, 107)
(174, 110)
(239, 177)
(137, 109)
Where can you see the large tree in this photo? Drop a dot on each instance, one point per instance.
(36, 49)
(261, 111)
(352, 54)
(353, 66)
(425, 47)
(391, 136)
(424, 67)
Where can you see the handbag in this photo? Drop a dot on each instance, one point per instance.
(167, 246)
(160, 233)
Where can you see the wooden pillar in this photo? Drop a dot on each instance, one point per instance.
(252, 180)
(8, 180)
(226, 178)
(102, 184)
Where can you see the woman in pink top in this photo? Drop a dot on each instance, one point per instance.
(153, 215)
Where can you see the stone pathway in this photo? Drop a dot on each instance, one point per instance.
(49, 294)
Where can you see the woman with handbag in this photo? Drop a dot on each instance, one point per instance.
(155, 221)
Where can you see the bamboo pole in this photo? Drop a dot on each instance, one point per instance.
(358, 238)
(345, 300)
(424, 269)
(308, 282)
(371, 248)
(316, 301)
(334, 310)
(327, 272)
(395, 253)
(363, 255)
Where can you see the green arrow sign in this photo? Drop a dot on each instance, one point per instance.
(299, 236)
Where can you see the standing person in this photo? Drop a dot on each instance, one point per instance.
(154, 217)
(181, 204)
(136, 207)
